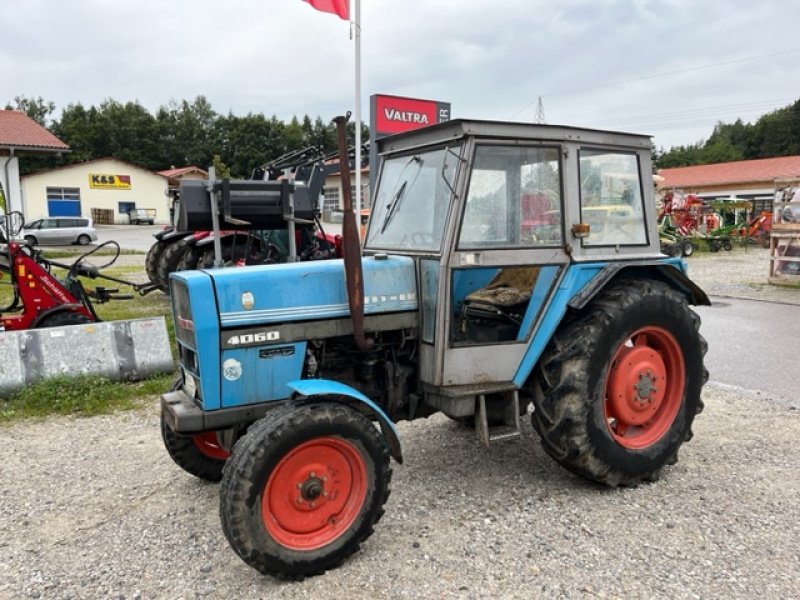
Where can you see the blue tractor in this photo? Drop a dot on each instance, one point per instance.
(507, 269)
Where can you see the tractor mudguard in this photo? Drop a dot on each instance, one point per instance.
(583, 281)
(668, 271)
(325, 387)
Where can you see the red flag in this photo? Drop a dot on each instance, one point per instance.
(337, 7)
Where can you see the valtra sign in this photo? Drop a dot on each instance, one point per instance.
(395, 114)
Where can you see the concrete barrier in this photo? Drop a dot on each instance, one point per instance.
(131, 349)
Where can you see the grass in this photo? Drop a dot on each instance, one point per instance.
(93, 395)
(84, 396)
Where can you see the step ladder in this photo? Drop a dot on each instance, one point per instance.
(508, 429)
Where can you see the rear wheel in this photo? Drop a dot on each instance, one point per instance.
(674, 250)
(152, 258)
(618, 387)
(200, 455)
(688, 248)
(304, 488)
(84, 239)
(169, 260)
(727, 246)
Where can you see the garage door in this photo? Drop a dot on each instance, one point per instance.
(63, 202)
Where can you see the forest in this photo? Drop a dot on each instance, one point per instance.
(182, 133)
(774, 134)
(177, 135)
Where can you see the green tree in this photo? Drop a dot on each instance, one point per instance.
(37, 109)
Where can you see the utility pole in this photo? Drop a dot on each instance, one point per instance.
(539, 117)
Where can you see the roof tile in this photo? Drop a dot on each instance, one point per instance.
(737, 172)
(20, 131)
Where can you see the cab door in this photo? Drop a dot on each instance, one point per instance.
(506, 259)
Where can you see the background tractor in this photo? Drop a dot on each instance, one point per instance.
(505, 266)
(178, 249)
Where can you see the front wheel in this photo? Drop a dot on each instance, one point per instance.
(84, 239)
(64, 317)
(618, 387)
(304, 488)
(200, 455)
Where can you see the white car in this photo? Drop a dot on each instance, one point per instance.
(59, 230)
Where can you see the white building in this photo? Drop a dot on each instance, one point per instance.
(104, 189)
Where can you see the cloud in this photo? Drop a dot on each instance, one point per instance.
(588, 60)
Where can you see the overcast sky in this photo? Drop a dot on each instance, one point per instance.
(669, 68)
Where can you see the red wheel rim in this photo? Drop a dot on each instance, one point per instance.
(208, 445)
(644, 387)
(314, 494)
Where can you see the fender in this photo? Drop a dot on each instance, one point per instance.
(671, 272)
(583, 281)
(325, 387)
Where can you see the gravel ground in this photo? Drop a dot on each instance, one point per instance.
(94, 508)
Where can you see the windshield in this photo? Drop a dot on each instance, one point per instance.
(414, 195)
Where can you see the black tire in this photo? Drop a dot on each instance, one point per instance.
(152, 258)
(688, 248)
(727, 246)
(577, 370)
(714, 246)
(64, 318)
(198, 455)
(190, 258)
(31, 240)
(169, 260)
(674, 250)
(231, 252)
(295, 436)
(84, 240)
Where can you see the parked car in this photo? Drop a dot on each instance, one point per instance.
(142, 216)
(60, 230)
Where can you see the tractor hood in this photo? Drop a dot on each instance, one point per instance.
(312, 290)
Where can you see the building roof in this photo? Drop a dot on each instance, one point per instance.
(741, 171)
(91, 161)
(170, 173)
(19, 131)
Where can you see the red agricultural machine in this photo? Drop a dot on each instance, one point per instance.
(31, 296)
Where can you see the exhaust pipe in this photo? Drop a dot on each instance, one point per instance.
(351, 243)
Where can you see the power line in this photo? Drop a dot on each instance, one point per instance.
(707, 111)
(657, 75)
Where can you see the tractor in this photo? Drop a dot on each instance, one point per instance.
(176, 249)
(468, 298)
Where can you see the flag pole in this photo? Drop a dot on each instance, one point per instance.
(357, 33)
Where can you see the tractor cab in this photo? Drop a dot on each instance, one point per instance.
(493, 214)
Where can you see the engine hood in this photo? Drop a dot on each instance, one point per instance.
(310, 290)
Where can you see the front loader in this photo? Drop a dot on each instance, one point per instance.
(508, 269)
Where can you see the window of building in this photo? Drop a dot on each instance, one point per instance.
(126, 207)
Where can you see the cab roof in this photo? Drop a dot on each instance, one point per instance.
(461, 128)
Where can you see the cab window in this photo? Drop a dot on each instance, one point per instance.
(611, 198)
(514, 199)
